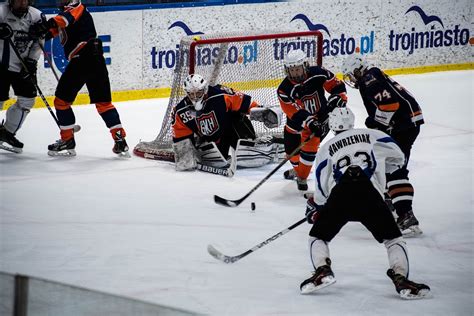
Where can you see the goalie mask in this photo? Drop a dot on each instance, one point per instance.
(353, 69)
(341, 119)
(196, 88)
(19, 7)
(296, 66)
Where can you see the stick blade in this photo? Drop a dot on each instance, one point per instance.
(219, 255)
(225, 202)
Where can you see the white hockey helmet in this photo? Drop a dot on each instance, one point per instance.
(296, 65)
(353, 69)
(196, 88)
(341, 119)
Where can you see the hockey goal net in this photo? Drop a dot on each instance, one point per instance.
(252, 64)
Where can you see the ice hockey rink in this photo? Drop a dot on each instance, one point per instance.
(137, 228)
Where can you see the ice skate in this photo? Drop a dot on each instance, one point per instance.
(408, 225)
(407, 289)
(120, 148)
(322, 277)
(9, 142)
(289, 174)
(64, 148)
(302, 184)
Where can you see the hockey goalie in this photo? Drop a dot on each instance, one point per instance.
(212, 129)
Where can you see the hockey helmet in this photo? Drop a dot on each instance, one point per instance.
(341, 119)
(196, 88)
(67, 4)
(353, 69)
(19, 7)
(296, 65)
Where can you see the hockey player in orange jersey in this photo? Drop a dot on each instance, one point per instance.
(82, 47)
(302, 98)
(211, 119)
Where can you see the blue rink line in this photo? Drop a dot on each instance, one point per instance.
(132, 7)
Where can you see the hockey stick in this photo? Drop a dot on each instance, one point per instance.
(76, 128)
(233, 203)
(231, 259)
(50, 61)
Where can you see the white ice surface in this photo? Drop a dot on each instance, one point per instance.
(138, 228)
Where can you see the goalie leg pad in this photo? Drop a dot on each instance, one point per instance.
(185, 155)
(251, 154)
(209, 154)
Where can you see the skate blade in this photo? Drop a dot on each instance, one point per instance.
(10, 148)
(63, 153)
(310, 287)
(412, 231)
(407, 295)
(123, 154)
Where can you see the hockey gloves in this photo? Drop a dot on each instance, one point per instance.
(40, 29)
(312, 211)
(373, 124)
(31, 66)
(315, 126)
(5, 31)
(336, 101)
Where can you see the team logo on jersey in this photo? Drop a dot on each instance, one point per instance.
(207, 123)
(22, 41)
(311, 102)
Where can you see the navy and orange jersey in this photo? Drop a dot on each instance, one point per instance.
(301, 101)
(388, 104)
(75, 28)
(210, 123)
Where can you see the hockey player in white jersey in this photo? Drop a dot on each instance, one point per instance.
(350, 183)
(16, 17)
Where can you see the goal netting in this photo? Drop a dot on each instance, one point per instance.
(252, 64)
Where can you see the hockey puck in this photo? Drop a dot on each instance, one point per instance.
(252, 206)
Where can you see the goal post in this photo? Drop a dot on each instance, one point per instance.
(250, 63)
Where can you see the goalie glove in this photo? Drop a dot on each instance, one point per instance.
(312, 211)
(184, 155)
(270, 117)
(337, 101)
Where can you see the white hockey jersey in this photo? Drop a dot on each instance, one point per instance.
(374, 151)
(25, 45)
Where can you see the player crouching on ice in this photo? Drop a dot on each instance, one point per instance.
(212, 119)
(350, 177)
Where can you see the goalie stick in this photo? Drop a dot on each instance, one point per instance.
(76, 128)
(233, 203)
(231, 259)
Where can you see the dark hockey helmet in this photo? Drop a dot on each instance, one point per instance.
(353, 68)
(19, 7)
(296, 65)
